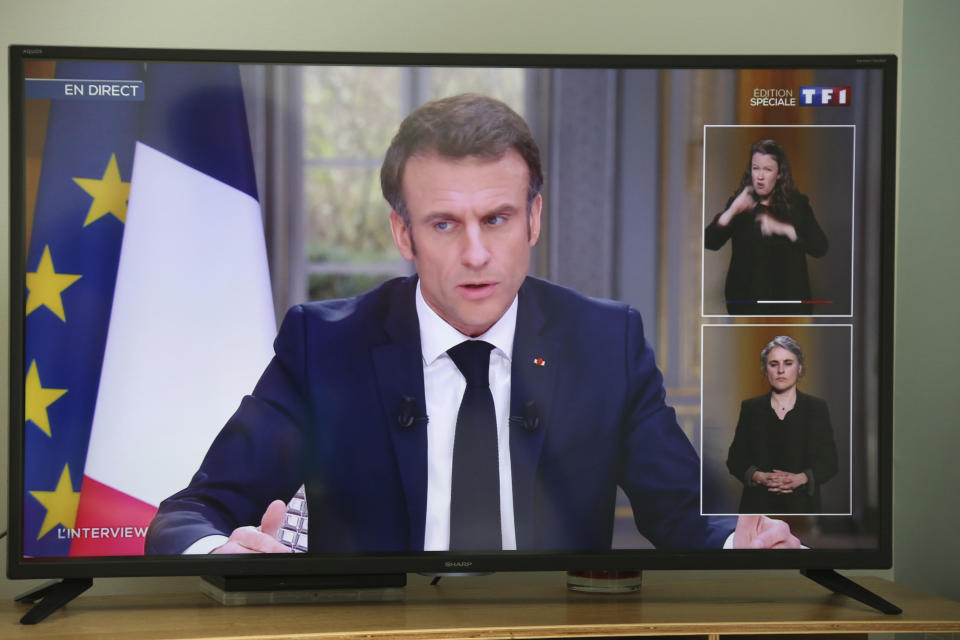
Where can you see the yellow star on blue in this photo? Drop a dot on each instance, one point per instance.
(46, 285)
(61, 504)
(37, 398)
(110, 193)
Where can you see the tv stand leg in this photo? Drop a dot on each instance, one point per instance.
(51, 596)
(845, 586)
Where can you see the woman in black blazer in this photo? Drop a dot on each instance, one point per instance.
(773, 229)
(783, 449)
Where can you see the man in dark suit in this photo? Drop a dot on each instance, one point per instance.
(364, 399)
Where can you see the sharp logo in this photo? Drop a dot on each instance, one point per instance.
(458, 564)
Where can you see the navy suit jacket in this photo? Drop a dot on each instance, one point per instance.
(325, 414)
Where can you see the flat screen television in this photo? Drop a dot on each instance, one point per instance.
(235, 276)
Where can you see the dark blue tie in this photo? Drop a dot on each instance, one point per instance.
(475, 490)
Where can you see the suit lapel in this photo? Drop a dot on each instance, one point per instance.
(537, 359)
(399, 370)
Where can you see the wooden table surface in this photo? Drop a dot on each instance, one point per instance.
(504, 606)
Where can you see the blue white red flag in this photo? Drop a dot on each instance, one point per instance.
(149, 312)
(74, 240)
(192, 320)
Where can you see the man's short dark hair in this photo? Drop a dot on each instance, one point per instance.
(456, 127)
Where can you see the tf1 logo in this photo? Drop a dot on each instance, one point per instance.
(824, 96)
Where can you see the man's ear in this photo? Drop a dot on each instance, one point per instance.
(401, 236)
(533, 220)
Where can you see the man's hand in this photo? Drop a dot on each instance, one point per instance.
(262, 539)
(761, 532)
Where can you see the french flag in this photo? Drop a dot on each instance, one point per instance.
(192, 319)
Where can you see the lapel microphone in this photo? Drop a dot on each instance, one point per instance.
(405, 417)
(530, 420)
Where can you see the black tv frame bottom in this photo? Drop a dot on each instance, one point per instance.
(845, 586)
(55, 594)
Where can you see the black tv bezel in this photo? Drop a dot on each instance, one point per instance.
(440, 562)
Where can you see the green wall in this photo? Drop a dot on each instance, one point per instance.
(927, 378)
(925, 406)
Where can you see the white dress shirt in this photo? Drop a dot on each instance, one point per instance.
(444, 386)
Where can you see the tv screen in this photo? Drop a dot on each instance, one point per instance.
(415, 312)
